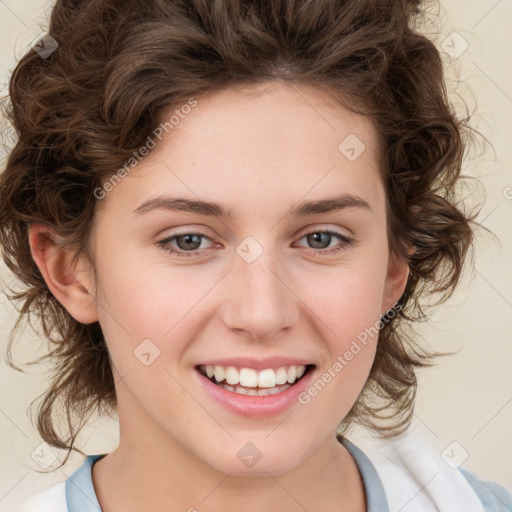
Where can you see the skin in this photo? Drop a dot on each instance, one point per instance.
(259, 151)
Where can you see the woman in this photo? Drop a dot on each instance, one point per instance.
(224, 213)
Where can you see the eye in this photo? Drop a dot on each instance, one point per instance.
(324, 237)
(187, 243)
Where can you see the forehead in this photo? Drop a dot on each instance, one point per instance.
(289, 117)
(267, 144)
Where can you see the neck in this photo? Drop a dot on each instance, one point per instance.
(154, 472)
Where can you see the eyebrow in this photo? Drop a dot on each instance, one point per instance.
(302, 209)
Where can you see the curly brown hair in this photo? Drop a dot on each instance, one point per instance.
(79, 114)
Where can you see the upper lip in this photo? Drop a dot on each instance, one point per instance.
(257, 364)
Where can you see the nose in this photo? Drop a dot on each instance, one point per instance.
(260, 298)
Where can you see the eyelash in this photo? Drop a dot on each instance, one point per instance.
(164, 244)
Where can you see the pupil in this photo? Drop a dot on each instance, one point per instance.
(317, 236)
(187, 238)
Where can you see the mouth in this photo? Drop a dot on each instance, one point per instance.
(248, 381)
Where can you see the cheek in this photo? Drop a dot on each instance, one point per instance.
(149, 314)
(348, 313)
(347, 299)
(145, 297)
(346, 303)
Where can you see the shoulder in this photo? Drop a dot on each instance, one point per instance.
(51, 499)
(75, 493)
(494, 497)
(416, 478)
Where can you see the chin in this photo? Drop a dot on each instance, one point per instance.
(250, 461)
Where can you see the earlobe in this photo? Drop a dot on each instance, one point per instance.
(61, 275)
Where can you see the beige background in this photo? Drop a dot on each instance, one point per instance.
(466, 398)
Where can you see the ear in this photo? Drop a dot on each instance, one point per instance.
(396, 279)
(61, 274)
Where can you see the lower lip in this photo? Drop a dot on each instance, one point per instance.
(255, 406)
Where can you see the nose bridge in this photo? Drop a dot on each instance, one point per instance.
(260, 301)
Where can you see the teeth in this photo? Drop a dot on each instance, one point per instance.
(281, 376)
(250, 378)
(241, 390)
(254, 392)
(266, 379)
(232, 376)
(220, 374)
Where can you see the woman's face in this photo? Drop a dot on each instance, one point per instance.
(273, 283)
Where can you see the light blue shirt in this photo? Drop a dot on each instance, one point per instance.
(81, 497)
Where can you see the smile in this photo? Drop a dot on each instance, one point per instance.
(248, 381)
